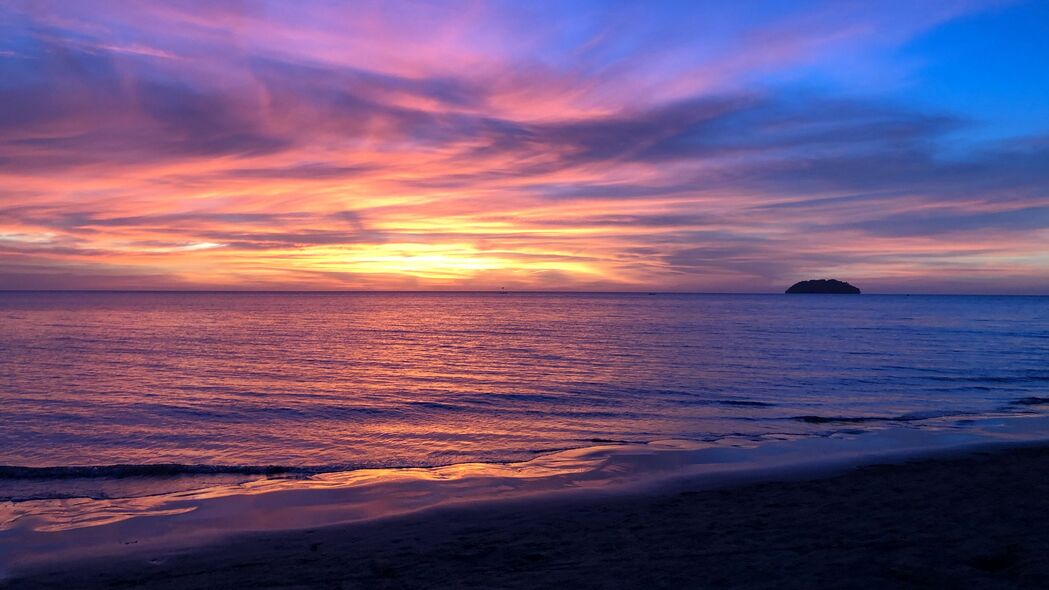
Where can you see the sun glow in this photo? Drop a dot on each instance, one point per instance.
(438, 262)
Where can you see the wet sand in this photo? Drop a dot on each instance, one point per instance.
(979, 520)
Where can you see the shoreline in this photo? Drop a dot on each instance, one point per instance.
(38, 535)
(967, 517)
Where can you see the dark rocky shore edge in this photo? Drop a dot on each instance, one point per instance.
(979, 520)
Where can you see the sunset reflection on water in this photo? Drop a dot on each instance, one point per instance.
(335, 381)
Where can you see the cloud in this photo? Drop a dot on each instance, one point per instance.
(594, 146)
(946, 221)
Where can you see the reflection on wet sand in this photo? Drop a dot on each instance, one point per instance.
(36, 532)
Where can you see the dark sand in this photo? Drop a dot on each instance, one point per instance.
(978, 521)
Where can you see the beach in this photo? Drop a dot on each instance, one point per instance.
(970, 520)
(527, 440)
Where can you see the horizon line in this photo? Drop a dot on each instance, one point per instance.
(490, 291)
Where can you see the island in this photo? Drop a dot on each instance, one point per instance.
(824, 286)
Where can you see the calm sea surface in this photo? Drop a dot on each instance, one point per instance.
(339, 381)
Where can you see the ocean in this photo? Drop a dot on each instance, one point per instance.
(105, 394)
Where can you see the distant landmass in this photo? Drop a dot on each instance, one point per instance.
(823, 286)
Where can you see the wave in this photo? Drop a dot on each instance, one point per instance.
(152, 470)
(743, 403)
(129, 470)
(1030, 401)
(812, 419)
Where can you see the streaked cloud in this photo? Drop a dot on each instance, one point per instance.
(678, 146)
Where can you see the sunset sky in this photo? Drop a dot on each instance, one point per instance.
(677, 146)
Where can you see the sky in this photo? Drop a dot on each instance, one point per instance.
(623, 146)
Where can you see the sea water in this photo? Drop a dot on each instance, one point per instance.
(106, 395)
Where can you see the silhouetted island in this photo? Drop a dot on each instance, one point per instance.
(823, 286)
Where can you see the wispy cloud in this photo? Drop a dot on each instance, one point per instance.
(554, 145)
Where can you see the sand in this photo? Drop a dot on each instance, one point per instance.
(976, 521)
